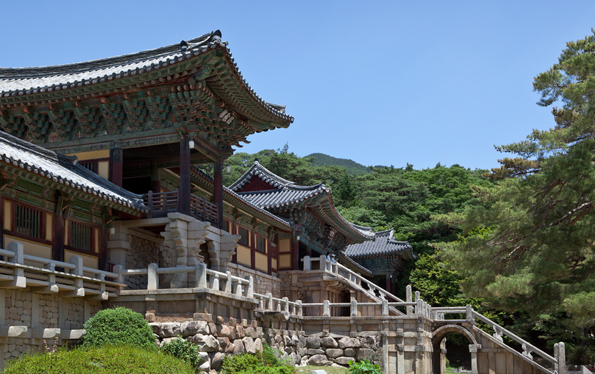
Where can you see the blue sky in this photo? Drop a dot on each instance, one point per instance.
(378, 82)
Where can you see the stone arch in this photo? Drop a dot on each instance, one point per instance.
(438, 337)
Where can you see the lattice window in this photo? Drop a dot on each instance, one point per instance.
(90, 165)
(81, 236)
(243, 237)
(261, 244)
(28, 221)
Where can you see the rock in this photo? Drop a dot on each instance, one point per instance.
(349, 343)
(313, 342)
(344, 360)
(295, 358)
(336, 365)
(334, 352)
(249, 345)
(166, 341)
(212, 328)
(190, 328)
(287, 340)
(319, 360)
(217, 360)
(238, 347)
(205, 366)
(288, 350)
(368, 342)
(204, 356)
(250, 332)
(155, 327)
(294, 340)
(206, 343)
(304, 361)
(364, 354)
(329, 342)
(302, 341)
(258, 345)
(219, 320)
(350, 352)
(240, 332)
(169, 330)
(302, 351)
(223, 343)
(223, 330)
(312, 352)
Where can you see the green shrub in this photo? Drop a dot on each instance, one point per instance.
(105, 360)
(260, 363)
(184, 350)
(363, 367)
(118, 326)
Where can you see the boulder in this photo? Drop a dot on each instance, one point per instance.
(349, 343)
(238, 347)
(302, 341)
(319, 360)
(350, 352)
(258, 345)
(219, 320)
(367, 341)
(304, 361)
(344, 360)
(223, 343)
(155, 326)
(249, 345)
(205, 366)
(364, 354)
(217, 360)
(203, 356)
(288, 350)
(240, 332)
(334, 352)
(312, 352)
(206, 343)
(294, 340)
(313, 342)
(190, 328)
(166, 341)
(223, 330)
(295, 359)
(169, 330)
(212, 328)
(328, 342)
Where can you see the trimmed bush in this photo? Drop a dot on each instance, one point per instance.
(184, 350)
(260, 363)
(118, 326)
(363, 367)
(105, 360)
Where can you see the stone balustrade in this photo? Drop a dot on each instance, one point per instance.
(21, 270)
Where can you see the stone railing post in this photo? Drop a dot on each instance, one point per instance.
(52, 286)
(527, 351)
(269, 297)
(353, 308)
(322, 262)
(326, 309)
(409, 298)
(286, 304)
(152, 277)
(201, 275)
(469, 314)
(560, 355)
(78, 282)
(299, 308)
(215, 285)
(19, 258)
(119, 269)
(419, 307)
(307, 263)
(239, 290)
(250, 290)
(228, 282)
(384, 307)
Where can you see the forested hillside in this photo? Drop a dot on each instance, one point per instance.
(352, 167)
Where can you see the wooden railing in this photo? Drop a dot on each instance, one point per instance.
(162, 203)
(75, 278)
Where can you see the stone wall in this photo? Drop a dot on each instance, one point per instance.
(143, 252)
(263, 283)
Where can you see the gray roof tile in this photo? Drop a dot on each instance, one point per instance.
(383, 243)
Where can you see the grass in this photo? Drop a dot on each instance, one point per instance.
(329, 369)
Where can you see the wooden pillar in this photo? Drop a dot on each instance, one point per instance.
(387, 287)
(116, 159)
(155, 185)
(218, 192)
(184, 189)
(58, 237)
(296, 253)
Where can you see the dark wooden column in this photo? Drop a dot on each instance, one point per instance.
(218, 192)
(296, 253)
(155, 184)
(116, 159)
(58, 229)
(184, 190)
(387, 287)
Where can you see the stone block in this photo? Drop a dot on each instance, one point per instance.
(313, 342)
(313, 351)
(349, 343)
(368, 341)
(364, 354)
(190, 328)
(350, 352)
(344, 360)
(328, 342)
(258, 345)
(249, 345)
(240, 332)
(238, 347)
(319, 360)
(217, 360)
(219, 320)
(334, 352)
(206, 343)
(169, 330)
(212, 328)
(223, 330)
(155, 327)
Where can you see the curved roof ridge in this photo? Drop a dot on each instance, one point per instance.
(95, 64)
(259, 170)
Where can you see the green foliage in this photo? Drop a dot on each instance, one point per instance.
(363, 367)
(352, 167)
(265, 362)
(105, 360)
(118, 326)
(184, 350)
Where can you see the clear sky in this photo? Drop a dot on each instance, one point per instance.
(378, 82)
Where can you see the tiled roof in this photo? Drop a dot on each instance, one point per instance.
(33, 80)
(260, 171)
(383, 243)
(286, 195)
(64, 170)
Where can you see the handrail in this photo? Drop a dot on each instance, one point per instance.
(528, 348)
(421, 308)
(200, 208)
